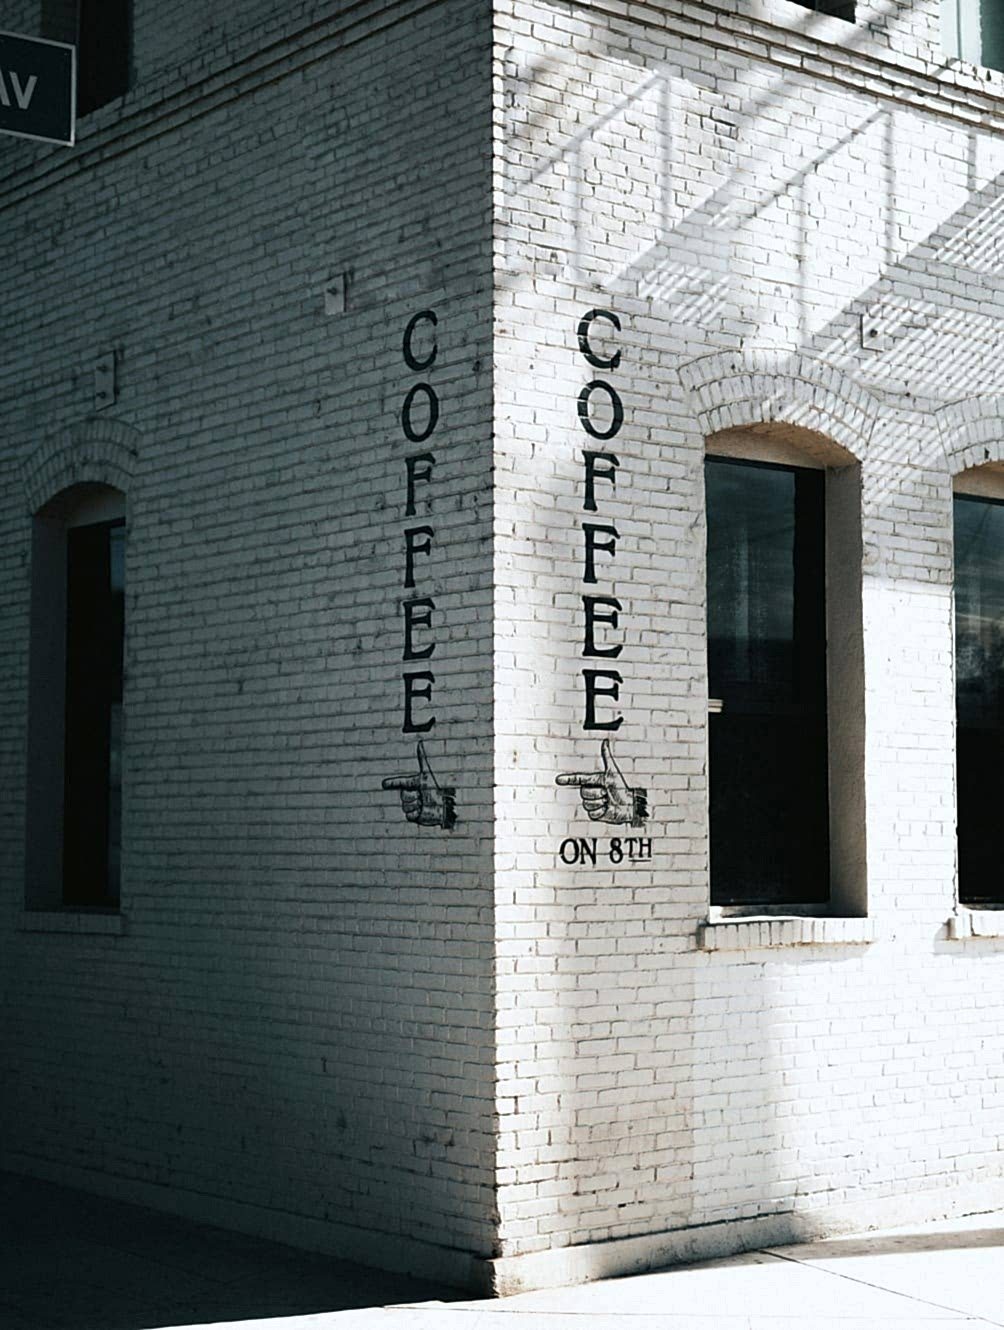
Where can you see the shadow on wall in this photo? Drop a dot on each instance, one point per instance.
(788, 238)
(723, 1107)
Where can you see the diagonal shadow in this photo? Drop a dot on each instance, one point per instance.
(70, 1260)
(689, 270)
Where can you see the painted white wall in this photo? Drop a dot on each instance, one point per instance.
(436, 1049)
(740, 187)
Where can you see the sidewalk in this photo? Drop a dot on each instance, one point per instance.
(933, 1277)
(71, 1261)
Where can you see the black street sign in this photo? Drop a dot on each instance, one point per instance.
(38, 90)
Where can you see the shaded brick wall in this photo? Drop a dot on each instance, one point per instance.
(292, 1029)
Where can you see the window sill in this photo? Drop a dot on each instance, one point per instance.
(72, 921)
(783, 931)
(987, 77)
(975, 923)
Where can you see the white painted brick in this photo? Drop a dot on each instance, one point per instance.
(316, 1008)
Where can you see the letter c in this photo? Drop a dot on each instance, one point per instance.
(584, 325)
(410, 359)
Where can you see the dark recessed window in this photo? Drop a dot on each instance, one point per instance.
(92, 771)
(835, 8)
(767, 683)
(74, 806)
(101, 32)
(979, 694)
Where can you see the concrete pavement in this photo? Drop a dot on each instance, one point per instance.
(70, 1261)
(932, 1277)
(73, 1261)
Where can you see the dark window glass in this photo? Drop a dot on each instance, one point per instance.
(101, 32)
(979, 690)
(767, 668)
(974, 30)
(835, 8)
(992, 34)
(58, 20)
(92, 803)
(102, 52)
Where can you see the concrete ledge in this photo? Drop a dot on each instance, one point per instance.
(975, 923)
(783, 931)
(563, 1266)
(72, 921)
(703, 1242)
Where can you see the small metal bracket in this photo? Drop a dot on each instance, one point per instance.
(875, 335)
(336, 294)
(105, 385)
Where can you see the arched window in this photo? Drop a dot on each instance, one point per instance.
(785, 673)
(979, 680)
(74, 816)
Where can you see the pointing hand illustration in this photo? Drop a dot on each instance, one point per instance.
(606, 795)
(423, 799)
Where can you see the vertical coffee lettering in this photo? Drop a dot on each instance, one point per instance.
(591, 530)
(595, 473)
(417, 685)
(418, 614)
(419, 466)
(419, 418)
(595, 689)
(585, 324)
(595, 616)
(599, 612)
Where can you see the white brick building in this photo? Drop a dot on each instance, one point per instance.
(415, 323)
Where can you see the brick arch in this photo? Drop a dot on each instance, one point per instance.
(733, 390)
(972, 432)
(96, 451)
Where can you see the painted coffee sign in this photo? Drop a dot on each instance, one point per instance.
(423, 800)
(605, 794)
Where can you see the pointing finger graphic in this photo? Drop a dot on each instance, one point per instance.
(423, 763)
(417, 779)
(611, 772)
(606, 795)
(423, 799)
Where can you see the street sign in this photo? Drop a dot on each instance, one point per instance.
(38, 88)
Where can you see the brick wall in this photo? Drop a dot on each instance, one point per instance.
(526, 1039)
(740, 186)
(291, 1029)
